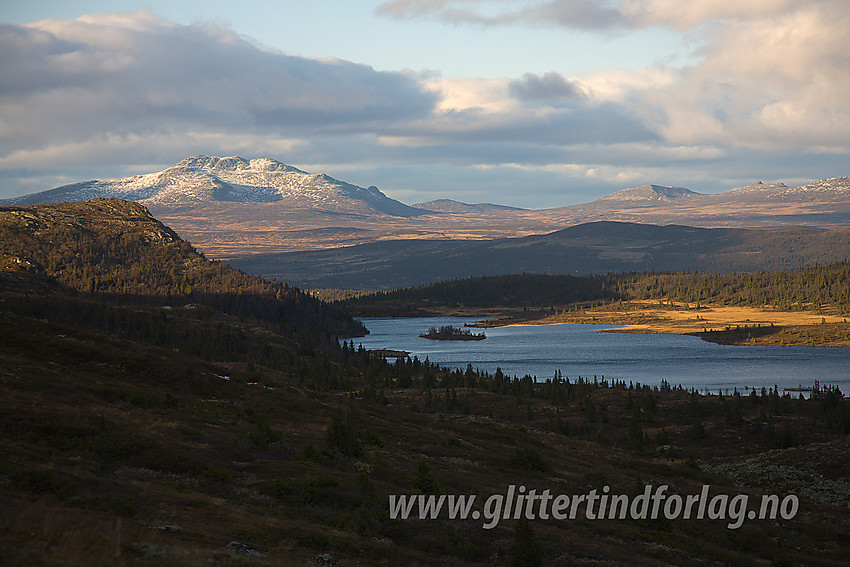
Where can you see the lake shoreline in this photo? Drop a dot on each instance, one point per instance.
(728, 325)
(604, 351)
(721, 324)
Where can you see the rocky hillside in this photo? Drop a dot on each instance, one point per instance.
(836, 188)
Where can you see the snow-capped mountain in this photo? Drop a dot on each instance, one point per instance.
(830, 189)
(651, 193)
(208, 179)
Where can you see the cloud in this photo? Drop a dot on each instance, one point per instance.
(591, 14)
(581, 13)
(769, 73)
(532, 117)
(686, 15)
(68, 82)
(775, 82)
(116, 89)
(549, 86)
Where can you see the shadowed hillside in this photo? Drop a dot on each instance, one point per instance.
(592, 248)
(805, 289)
(117, 250)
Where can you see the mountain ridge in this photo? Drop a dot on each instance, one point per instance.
(117, 248)
(829, 187)
(649, 192)
(453, 206)
(232, 207)
(203, 179)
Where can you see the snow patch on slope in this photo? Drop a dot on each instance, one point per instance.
(824, 188)
(203, 179)
(652, 193)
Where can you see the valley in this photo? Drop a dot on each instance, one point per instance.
(316, 232)
(425, 283)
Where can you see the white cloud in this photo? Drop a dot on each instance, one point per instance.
(593, 14)
(780, 81)
(521, 111)
(583, 13)
(71, 83)
(770, 73)
(686, 15)
(113, 149)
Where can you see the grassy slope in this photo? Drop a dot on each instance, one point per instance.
(741, 325)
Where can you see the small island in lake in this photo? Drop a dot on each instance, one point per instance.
(451, 333)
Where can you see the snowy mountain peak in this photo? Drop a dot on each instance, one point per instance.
(838, 185)
(233, 163)
(821, 189)
(207, 179)
(652, 193)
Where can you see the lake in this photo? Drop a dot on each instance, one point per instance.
(581, 350)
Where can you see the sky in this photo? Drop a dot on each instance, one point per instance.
(529, 103)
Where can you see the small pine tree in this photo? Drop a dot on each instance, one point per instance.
(342, 435)
(425, 481)
(635, 433)
(525, 550)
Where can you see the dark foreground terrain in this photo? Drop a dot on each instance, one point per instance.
(203, 426)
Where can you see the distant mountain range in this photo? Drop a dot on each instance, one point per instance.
(452, 206)
(208, 183)
(256, 212)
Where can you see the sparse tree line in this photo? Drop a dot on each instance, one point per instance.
(807, 288)
(585, 397)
